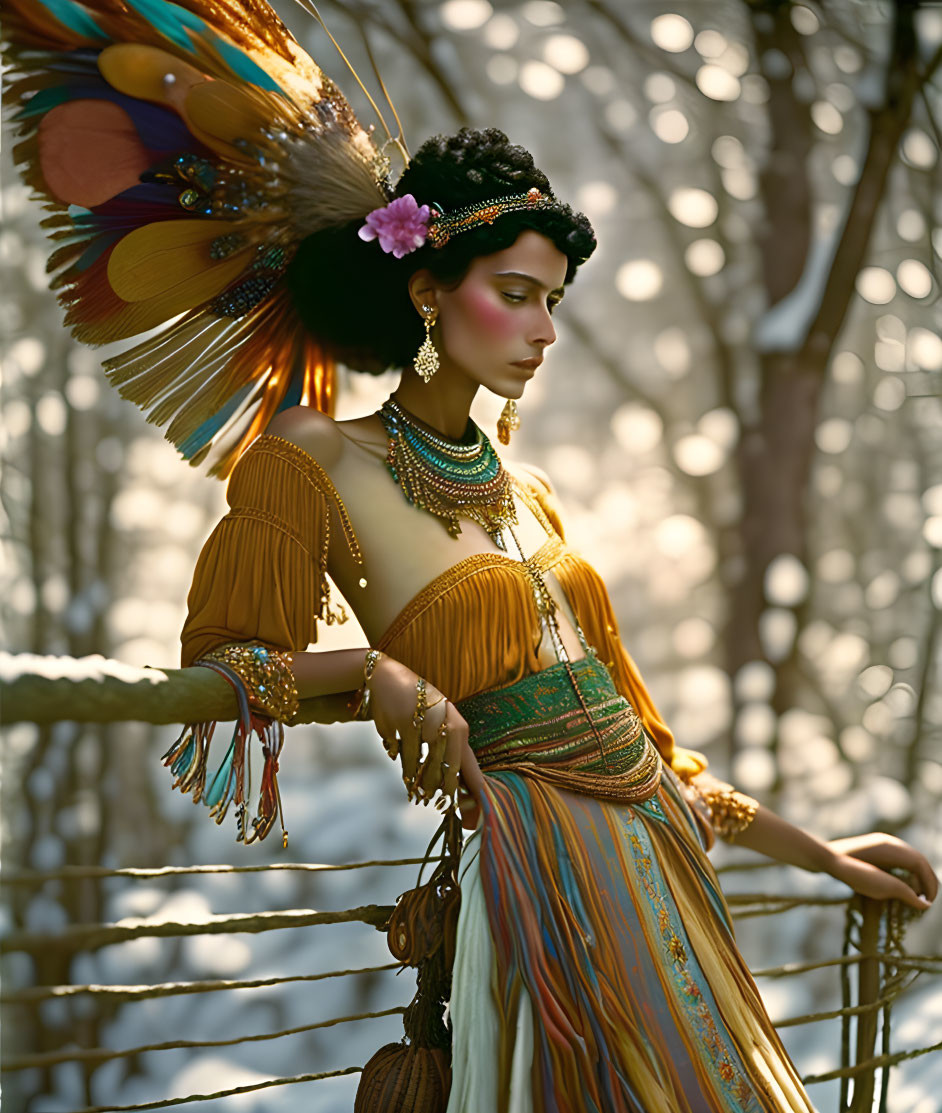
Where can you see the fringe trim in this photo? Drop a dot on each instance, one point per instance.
(231, 783)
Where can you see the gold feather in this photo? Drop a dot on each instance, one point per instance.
(170, 260)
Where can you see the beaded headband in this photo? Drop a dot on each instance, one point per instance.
(403, 225)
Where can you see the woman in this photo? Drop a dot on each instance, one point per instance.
(595, 958)
(211, 189)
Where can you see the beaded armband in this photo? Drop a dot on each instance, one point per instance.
(266, 696)
(731, 812)
(266, 674)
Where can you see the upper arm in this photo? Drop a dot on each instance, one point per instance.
(262, 574)
(315, 432)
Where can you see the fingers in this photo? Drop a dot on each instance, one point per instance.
(451, 767)
(387, 732)
(429, 778)
(906, 895)
(471, 773)
(445, 732)
(928, 882)
(409, 756)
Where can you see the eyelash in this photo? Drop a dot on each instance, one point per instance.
(515, 299)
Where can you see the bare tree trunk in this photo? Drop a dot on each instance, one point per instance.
(775, 455)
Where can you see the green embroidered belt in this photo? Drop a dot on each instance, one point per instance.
(568, 726)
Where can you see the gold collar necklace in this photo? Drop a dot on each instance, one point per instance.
(450, 479)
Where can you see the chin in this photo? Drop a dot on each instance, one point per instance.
(510, 390)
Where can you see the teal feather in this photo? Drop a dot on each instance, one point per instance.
(170, 20)
(211, 426)
(243, 66)
(76, 19)
(43, 100)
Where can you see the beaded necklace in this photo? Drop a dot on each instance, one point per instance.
(450, 479)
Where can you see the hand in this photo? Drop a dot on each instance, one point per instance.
(432, 757)
(871, 881)
(888, 852)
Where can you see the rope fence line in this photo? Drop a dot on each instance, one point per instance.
(92, 937)
(747, 907)
(172, 989)
(102, 1055)
(99, 1055)
(928, 964)
(77, 873)
(247, 1089)
(868, 1065)
(872, 951)
(833, 1014)
(925, 963)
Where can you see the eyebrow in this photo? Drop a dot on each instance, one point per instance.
(559, 291)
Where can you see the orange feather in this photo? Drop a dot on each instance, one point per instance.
(89, 151)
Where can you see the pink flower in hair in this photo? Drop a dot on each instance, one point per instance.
(401, 226)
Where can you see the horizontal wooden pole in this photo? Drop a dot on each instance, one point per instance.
(44, 690)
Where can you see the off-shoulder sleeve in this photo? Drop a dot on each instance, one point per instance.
(262, 574)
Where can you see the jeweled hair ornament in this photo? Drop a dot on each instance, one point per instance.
(403, 226)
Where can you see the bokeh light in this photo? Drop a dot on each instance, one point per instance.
(669, 125)
(540, 81)
(566, 53)
(876, 285)
(672, 32)
(639, 280)
(465, 15)
(694, 207)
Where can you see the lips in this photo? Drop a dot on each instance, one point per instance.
(530, 364)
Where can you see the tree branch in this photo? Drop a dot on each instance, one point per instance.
(903, 80)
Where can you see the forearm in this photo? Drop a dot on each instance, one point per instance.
(328, 672)
(775, 837)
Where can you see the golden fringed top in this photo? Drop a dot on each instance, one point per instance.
(262, 576)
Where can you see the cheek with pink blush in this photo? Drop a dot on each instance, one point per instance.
(485, 313)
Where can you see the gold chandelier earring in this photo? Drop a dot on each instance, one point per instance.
(426, 362)
(508, 422)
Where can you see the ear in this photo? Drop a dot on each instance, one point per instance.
(423, 291)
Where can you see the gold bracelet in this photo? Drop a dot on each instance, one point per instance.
(370, 662)
(421, 703)
(266, 674)
(731, 812)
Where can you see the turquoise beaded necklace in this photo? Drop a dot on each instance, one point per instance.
(450, 479)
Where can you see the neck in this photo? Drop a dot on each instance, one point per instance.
(444, 402)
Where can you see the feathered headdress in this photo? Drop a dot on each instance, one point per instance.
(184, 151)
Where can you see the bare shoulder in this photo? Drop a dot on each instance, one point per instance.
(315, 432)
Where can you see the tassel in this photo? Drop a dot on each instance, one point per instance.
(415, 1076)
(188, 757)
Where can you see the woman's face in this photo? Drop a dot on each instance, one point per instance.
(494, 326)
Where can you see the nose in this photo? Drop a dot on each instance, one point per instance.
(543, 332)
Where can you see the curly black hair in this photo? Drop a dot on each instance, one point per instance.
(354, 296)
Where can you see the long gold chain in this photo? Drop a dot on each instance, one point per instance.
(547, 607)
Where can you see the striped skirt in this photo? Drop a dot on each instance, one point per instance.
(596, 969)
